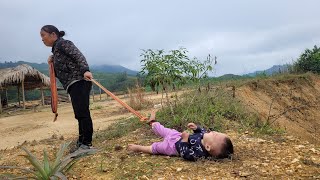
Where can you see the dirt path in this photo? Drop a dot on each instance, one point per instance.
(29, 126)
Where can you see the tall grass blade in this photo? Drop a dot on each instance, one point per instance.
(35, 162)
(57, 162)
(46, 163)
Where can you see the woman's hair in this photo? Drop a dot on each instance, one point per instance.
(50, 29)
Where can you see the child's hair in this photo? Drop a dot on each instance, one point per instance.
(226, 149)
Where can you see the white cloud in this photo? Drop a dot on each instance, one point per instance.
(245, 35)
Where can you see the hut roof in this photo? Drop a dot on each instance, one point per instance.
(14, 76)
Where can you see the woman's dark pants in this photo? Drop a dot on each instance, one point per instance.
(80, 94)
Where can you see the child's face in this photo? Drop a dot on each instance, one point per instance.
(213, 142)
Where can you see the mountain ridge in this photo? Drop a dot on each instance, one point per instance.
(43, 67)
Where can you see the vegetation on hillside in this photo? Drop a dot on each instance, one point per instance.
(309, 61)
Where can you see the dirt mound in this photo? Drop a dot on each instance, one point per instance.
(290, 102)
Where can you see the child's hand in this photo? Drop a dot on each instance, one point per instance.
(192, 126)
(185, 137)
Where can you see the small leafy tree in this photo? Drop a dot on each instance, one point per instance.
(200, 69)
(174, 69)
(309, 61)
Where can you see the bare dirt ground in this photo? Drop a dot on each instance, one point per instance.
(35, 126)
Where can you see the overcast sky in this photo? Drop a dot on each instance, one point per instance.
(246, 35)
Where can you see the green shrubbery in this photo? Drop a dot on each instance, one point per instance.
(309, 61)
(215, 110)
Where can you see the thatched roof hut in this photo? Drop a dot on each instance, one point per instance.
(23, 76)
(31, 77)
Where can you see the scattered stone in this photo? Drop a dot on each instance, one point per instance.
(299, 146)
(33, 143)
(118, 147)
(213, 170)
(179, 169)
(289, 171)
(144, 177)
(291, 138)
(295, 160)
(265, 164)
(261, 140)
(54, 136)
(244, 174)
(313, 150)
(61, 138)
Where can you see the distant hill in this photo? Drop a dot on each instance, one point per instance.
(273, 70)
(113, 69)
(43, 67)
(229, 76)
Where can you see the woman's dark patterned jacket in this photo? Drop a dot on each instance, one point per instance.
(69, 62)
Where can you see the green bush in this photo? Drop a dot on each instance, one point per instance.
(309, 61)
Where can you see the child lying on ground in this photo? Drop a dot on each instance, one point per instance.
(191, 147)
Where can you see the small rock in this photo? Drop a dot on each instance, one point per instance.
(54, 136)
(179, 169)
(61, 138)
(295, 160)
(213, 170)
(244, 174)
(247, 132)
(299, 167)
(261, 141)
(118, 148)
(265, 164)
(289, 171)
(33, 143)
(299, 146)
(313, 150)
(291, 138)
(144, 177)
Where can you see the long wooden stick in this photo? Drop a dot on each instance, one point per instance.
(142, 118)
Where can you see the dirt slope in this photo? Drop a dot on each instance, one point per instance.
(291, 103)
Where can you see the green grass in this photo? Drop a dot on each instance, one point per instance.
(119, 129)
(216, 110)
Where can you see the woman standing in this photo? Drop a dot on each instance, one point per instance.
(72, 70)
